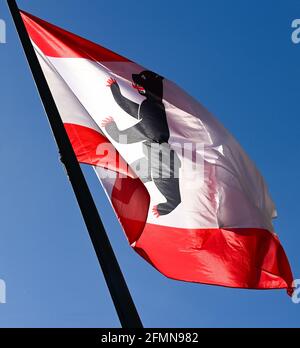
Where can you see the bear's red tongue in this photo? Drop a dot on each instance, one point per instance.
(138, 87)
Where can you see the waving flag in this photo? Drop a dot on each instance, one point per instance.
(190, 200)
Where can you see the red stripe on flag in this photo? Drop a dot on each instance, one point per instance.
(56, 42)
(235, 257)
(91, 147)
(129, 196)
(131, 201)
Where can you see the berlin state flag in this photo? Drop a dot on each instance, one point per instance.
(189, 199)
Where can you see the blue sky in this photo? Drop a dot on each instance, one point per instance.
(237, 58)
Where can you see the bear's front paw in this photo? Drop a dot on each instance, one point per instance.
(111, 82)
(107, 121)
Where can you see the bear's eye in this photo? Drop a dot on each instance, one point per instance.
(143, 77)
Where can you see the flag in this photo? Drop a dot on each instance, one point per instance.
(189, 199)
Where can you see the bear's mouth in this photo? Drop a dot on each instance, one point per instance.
(139, 88)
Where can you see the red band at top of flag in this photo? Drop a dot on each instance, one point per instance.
(56, 42)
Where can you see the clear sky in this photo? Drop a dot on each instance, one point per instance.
(237, 58)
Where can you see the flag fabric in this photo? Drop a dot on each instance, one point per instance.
(189, 199)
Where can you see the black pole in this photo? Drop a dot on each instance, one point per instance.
(117, 286)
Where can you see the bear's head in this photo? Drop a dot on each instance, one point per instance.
(149, 84)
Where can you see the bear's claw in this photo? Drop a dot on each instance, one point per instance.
(111, 81)
(108, 120)
(155, 211)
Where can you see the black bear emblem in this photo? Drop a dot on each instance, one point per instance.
(153, 131)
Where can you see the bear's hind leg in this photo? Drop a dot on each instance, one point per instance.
(171, 191)
(165, 171)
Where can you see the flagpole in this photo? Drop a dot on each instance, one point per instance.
(124, 305)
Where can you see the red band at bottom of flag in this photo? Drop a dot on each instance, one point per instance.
(238, 257)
